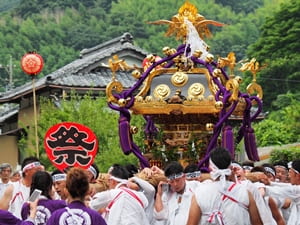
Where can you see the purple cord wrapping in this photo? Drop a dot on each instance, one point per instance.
(245, 130)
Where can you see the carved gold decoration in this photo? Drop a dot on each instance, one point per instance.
(233, 85)
(162, 91)
(177, 25)
(229, 61)
(116, 64)
(113, 86)
(179, 79)
(255, 88)
(195, 90)
(254, 67)
(155, 73)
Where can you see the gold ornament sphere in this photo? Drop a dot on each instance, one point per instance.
(136, 74)
(122, 102)
(219, 105)
(209, 58)
(134, 129)
(209, 126)
(197, 53)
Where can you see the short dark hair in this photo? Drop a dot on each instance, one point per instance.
(296, 165)
(281, 164)
(132, 169)
(221, 157)
(191, 168)
(173, 168)
(258, 169)
(248, 163)
(119, 171)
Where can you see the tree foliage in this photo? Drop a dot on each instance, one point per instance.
(278, 47)
(92, 113)
(240, 5)
(59, 29)
(280, 127)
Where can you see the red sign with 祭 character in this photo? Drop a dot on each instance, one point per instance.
(70, 144)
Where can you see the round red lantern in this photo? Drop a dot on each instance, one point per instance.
(32, 63)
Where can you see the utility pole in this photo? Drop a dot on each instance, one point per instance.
(9, 70)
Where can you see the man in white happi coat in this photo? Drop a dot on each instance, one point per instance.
(289, 191)
(120, 204)
(174, 197)
(263, 204)
(18, 192)
(222, 202)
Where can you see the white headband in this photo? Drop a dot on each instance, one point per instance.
(194, 174)
(247, 167)
(270, 170)
(31, 165)
(59, 177)
(93, 171)
(123, 181)
(236, 165)
(216, 172)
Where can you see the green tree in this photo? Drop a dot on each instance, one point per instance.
(280, 127)
(241, 6)
(94, 114)
(278, 47)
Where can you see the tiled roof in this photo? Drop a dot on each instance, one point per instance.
(98, 80)
(79, 73)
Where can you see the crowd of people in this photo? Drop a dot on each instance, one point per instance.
(226, 193)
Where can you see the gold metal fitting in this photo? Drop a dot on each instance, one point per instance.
(217, 72)
(134, 129)
(122, 102)
(167, 51)
(197, 53)
(219, 105)
(209, 58)
(136, 74)
(210, 126)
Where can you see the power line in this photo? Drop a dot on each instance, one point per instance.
(285, 80)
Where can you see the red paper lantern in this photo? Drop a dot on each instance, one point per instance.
(32, 63)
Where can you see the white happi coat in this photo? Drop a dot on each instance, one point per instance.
(175, 213)
(262, 206)
(216, 207)
(288, 191)
(19, 196)
(121, 207)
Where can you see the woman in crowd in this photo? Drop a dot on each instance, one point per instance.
(42, 180)
(76, 212)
